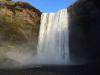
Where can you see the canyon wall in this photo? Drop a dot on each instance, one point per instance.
(84, 30)
(19, 28)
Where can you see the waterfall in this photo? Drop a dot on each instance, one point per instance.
(53, 38)
(52, 46)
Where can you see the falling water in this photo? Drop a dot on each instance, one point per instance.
(53, 38)
(52, 44)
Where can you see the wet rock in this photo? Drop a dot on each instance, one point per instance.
(84, 38)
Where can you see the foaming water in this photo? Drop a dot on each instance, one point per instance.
(53, 38)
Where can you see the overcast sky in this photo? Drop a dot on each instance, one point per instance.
(50, 5)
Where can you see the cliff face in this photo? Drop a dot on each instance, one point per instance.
(84, 38)
(18, 21)
(19, 27)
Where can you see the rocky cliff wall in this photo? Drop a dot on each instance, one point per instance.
(84, 26)
(19, 28)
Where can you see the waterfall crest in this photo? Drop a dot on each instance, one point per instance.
(53, 38)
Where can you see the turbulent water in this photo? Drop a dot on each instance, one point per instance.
(53, 38)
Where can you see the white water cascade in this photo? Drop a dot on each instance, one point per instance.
(53, 38)
(52, 46)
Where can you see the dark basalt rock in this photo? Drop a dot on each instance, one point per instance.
(84, 38)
